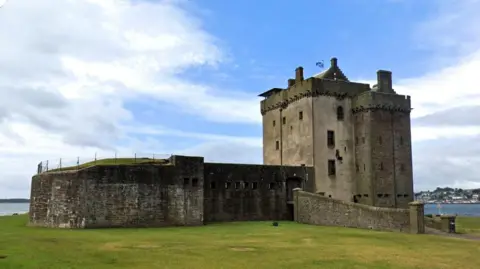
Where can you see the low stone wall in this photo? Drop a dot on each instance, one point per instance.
(444, 223)
(310, 208)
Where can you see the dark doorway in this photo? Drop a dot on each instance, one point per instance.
(290, 213)
(292, 183)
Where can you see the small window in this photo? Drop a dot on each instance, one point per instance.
(401, 140)
(356, 168)
(330, 138)
(380, 140)
(274, 124)
(195, 182)
(300, 115)
(365, 195)
(254, 185)
(186, 181)
(340, 114)
(379, 195)
(284, 120)
(237, 185)
(386, 195)
(228, 185)
(405, 195)
(345, 149)
(329, 196)
(271, 186)
(331, 167)
(245, 185)
(381, 166)
(213, 185)
(363, 140)
(277, 145)
(399, 195)
(363, 167)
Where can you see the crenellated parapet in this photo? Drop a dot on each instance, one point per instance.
(280, 98)
(371, 100)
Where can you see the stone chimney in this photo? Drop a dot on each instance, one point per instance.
(299, 74)
(334, 62)
(291, 82)
(384, 81)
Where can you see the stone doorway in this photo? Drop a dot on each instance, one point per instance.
(293, 183)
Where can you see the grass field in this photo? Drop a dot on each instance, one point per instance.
(231, 245)
(468, 225)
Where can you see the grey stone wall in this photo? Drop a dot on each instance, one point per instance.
(319, 210)
(238, 192)
(120, 196)
(56, 200)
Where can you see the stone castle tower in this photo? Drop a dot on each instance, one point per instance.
(357, 138)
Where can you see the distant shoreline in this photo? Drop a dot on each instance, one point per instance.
(452, 203)
(14, 201)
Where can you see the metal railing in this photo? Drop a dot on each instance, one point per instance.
(64, 164)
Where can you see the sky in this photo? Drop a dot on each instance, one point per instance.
(80, 78)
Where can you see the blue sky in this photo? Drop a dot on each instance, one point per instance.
(178, 76)
(265, 41)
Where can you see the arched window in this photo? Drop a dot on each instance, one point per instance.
(340, 114)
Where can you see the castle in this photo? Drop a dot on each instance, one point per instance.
(340, 140)
(357, 139)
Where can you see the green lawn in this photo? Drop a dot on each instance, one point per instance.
(112, 161)
(468, 225)
(256, 245)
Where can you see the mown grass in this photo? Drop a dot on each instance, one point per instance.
(112, 161)
(230, 245)
(468, 225)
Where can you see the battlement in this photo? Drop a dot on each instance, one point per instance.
(379, 100)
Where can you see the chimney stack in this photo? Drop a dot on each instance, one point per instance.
(291, 82)
(334, 62)
(299, 74)
(384, 81)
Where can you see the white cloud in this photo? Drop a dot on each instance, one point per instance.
(66, 75)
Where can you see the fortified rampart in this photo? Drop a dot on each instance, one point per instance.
(185, 191)
(316, 209)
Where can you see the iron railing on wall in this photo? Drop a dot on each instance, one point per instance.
(67, 164)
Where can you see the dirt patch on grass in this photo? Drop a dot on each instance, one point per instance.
(111, 246)
(242, 249)
(307, 241)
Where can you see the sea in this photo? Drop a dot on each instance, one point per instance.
(456, 209)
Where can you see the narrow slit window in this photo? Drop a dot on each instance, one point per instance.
(330, 138)
(284, 120)
(340, 113)
(331, 168)
(300, 115)
(277, 145)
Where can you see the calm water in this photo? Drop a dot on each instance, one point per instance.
(460, 209)
(9, 209)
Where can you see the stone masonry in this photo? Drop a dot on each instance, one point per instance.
(357, 138)
(345, 144)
